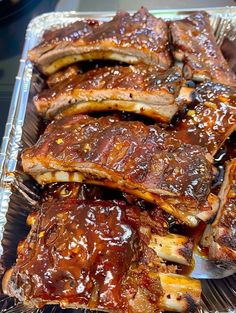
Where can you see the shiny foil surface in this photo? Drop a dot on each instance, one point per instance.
(18, 192)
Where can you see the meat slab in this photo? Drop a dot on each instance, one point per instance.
(212, 120)
(194, 44)
(88, 254)
(140, 89)
(141, 160)
(220, 237)
(129, 38)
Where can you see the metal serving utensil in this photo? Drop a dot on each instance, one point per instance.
(208, 269)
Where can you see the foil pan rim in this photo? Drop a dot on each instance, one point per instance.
(70, 16)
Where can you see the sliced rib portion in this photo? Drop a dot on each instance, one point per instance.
(141, 160)
(212, 120)
(141, 89)
(128, 38)
(153, 223)
(53, 39)
(221, 236)
(89, 254)
(194, 44)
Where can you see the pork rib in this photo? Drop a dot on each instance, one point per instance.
(153, 221)
(212, 120)
(64, 75)
(129, 38)
(220, 237)
(141, 89)
(141, 160)
(88, 254)
(194, 44)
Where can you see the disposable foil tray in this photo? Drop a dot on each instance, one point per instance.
(18, 192)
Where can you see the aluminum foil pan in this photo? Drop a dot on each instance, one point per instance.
(18, 192)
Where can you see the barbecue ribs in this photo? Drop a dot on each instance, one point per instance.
(129, 38)
(212, 120)
(142, 160)
(89, 254)
(194, 44)
(141, 89)
(220, 237)
(64, 75)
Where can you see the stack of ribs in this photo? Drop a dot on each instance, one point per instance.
(102, 238)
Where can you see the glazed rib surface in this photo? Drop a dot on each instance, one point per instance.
(194, 44)
(130, 38)
(90, 254)
(212, 120)
(125, 155)
(141, 89)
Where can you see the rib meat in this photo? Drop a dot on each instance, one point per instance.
(129, 38)
(194, 44)
(89, 254)
(212, 120)
(141, 160)
(221, 235)
(64, 75)
(154, 223)
(141, 89)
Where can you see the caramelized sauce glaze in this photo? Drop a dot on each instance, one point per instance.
(210, 119)
(78, 251)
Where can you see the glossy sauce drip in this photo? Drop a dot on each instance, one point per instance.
(226, 153)
(209, 120)
(78, 252)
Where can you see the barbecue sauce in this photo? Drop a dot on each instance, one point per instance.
(210, 118)
(78, 252)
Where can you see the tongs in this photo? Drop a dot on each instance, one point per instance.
(207, 269)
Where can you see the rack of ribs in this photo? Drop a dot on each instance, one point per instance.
(220, 237)
(212, 120)
(128, 155)
(194, 44)
(140, 89)
(91, 254)
(154, 222)
(128, 38)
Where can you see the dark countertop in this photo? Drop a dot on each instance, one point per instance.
(15, 18)
(13, 23)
